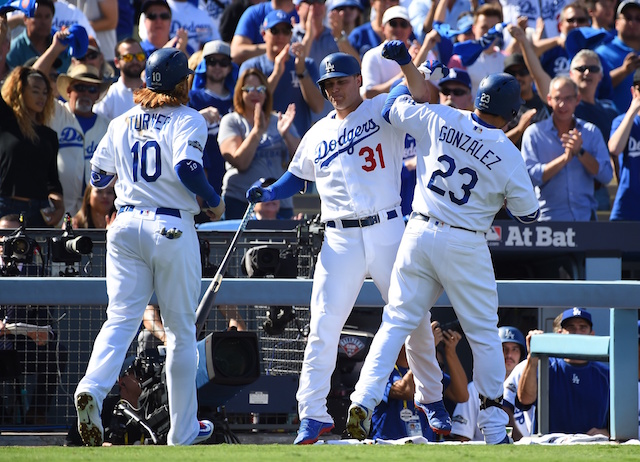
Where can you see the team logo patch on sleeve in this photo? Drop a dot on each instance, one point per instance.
(196, 145)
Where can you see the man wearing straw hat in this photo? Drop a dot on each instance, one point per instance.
(79, 129)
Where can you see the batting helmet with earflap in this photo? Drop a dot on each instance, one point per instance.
(337, 65)
(166, 68)
(499, 94)
(510, 334)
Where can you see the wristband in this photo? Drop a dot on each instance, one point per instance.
(303, 75)
(581, 152)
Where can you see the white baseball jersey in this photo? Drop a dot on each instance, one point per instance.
(523, 420)
(157, 139)
(356, 164)
(464, 421)
(354, 175)
(142, 147)
(468, 167)
(74, 153)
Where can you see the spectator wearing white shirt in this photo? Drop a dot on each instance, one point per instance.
(130, 60)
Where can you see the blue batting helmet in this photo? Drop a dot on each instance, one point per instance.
(337, 65)
(510, 334)
(165, 69)
(499, 94)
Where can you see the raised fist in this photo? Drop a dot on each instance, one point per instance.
(397, 51)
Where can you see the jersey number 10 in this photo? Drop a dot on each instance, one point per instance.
(150, 151)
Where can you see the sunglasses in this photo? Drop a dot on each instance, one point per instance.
(311, 2)
(592, 69)
(399, 23)
(91, 54)
(454, 91)
(260, 89)
(523, 72)
(129, 57)
(577, 20)
(80, 88)
(154, 16)
(280, 30)
(224, 62)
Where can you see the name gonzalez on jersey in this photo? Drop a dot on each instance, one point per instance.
(461, 140)
(345, 142)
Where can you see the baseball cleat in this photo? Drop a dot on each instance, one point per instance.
(89, 420)
(358, 421)
(438, 417)
(310, 430)
(206, 430)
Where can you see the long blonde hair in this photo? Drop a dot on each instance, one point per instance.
(150, 99)
(13, 94)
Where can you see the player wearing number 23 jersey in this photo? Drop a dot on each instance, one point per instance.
(466, 169)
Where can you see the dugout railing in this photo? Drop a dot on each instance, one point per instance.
(77, 306)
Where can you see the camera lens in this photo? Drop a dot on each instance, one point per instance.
(20, 246)
(81, 245)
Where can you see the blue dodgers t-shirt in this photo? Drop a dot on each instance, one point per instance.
(250, 23)
(578, 396)
(212, 159)
(288, 90)
(625, 206)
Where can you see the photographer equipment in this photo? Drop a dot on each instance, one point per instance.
(68, 248)
(265, 261)
(18, 248)
(310, 236)
(232, 357)
(208, 300)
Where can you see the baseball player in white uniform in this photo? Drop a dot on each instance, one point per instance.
(155, 151)
(465, 416)
(355, 158)
(466, 169)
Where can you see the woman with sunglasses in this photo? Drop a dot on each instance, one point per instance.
(29, 181)
(255, 142)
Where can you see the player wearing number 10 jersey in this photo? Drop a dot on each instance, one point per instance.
(466, 169)
(154, 154)
(355, 158)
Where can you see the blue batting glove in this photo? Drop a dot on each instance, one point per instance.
(397, 51)
(435, 70)
(259, 194)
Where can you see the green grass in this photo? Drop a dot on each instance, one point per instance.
(325, 453)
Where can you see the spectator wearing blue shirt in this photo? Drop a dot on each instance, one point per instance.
(578, 389)
(212, 96)
(292, 76)
(419, 10)
(563, 155)
(625, 144)
(369, 34)
(248, 41)
(621, 54)
(36, 38)
(396, 416)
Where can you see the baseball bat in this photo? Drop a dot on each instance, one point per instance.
(209, 297)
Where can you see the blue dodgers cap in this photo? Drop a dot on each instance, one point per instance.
(458, 76)
(344, 3)
(576, 312)
(274, 18)
(465, 23)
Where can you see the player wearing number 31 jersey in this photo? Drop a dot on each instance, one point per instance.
(355, 158)
(466, 169)
(154, 154)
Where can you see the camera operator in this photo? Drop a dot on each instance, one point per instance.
(28, 330)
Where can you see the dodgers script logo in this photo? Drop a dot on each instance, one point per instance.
(326, 151)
